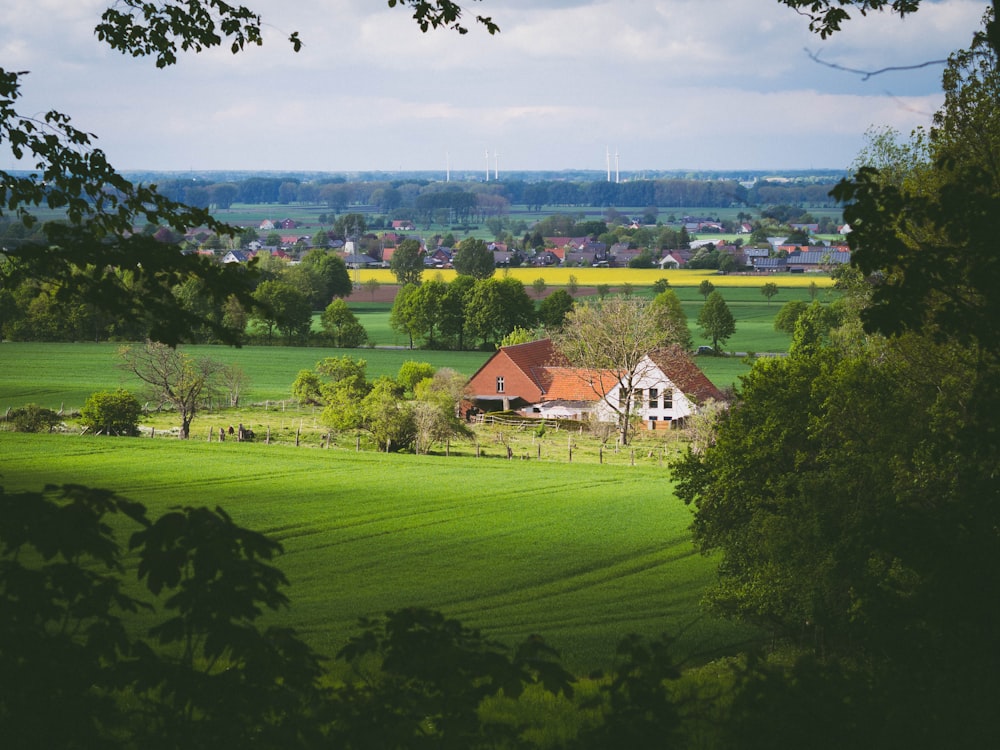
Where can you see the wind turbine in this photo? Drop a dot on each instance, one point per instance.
(607, 161)
(616, 165)
(487, 165)
(496, 166)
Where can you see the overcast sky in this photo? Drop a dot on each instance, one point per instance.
(667, 84)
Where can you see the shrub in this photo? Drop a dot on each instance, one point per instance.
(112, 413)
(34, 418)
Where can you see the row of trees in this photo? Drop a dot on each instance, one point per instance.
(415, 410)
(418, 199)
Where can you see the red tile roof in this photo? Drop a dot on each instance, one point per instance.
(576, 383)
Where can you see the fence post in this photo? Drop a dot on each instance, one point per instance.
(267, 440)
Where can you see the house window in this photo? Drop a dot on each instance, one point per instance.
(638, 397)
(500, 384)
(668, 399)
(654, 398)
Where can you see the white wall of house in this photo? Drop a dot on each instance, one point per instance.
(655, 398)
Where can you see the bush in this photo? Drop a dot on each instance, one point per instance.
(34, 418)
(112, 413)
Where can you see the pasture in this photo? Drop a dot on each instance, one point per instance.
(582, 554)
(64, 375)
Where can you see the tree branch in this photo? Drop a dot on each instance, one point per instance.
(866, 74)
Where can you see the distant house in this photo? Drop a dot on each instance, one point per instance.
(822, 259)
(403, 225)
(266, 226)
(671, 259)
(440, 258)
(353, 260)
(237, 256)
(537, 380)
(287, 224)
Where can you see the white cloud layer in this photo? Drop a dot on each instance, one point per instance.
(670, 84)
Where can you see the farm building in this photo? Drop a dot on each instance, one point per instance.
(535, 379)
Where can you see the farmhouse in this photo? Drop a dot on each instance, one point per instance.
(537, 380)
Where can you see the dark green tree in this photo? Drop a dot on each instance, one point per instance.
(474, 258)
(407, 262)
(78, 674)
(283, 307)
(716, 320)
(330, 276)
(553, 309)
(342, 327)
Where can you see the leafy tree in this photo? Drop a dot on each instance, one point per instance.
(474, 258)
(770, 289)
(411, 373)
(435, 411)
(517, 336)
(330, 276)
(407, 263)
(112, 413)
(435, 674)
(495, 307)
(342, 327)
(452, 318)
(661, 285)
(306, 388)
(539, 286)
(282, 306)
(172, 378)
(572, 285)
(34, 418)
(716, 320)
(386, 416)
(789, 315)
(672, 320)
(351, 225)
(552, 310)
(407, 314)
(603, 290)
(371, 286)
(705, 288)
(77, 675)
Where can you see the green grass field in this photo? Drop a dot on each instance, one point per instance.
(64, 375)
(582, 554)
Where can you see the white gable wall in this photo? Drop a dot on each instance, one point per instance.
(670, 403)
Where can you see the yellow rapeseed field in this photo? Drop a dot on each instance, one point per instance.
(616, 277)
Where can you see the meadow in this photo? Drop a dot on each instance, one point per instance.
(582, 554)
(64, 375)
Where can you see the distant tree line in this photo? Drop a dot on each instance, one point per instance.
(421, 197)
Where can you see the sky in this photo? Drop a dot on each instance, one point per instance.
(664, 84)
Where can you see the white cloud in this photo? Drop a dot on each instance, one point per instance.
(674, 83)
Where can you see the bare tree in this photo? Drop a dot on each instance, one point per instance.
(235, 380)
(172, 377)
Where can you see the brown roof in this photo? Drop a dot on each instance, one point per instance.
(533, 357)
(684, 373)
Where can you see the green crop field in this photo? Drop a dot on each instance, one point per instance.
(582, 554)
